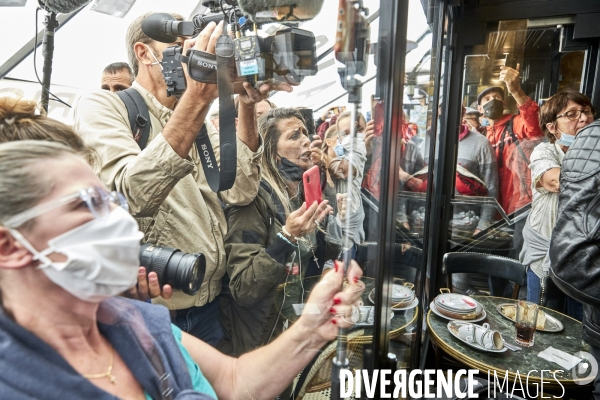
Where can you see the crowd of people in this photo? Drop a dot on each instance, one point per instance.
(77, 203)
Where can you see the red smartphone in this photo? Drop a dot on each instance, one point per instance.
(312, 186)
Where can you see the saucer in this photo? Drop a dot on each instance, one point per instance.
(453, 329)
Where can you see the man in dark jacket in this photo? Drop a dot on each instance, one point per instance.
(575, 243)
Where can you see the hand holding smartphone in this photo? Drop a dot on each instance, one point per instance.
(312, 186)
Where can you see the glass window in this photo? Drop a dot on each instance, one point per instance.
(506, 80)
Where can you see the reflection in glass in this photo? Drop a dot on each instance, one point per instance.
(512, 70)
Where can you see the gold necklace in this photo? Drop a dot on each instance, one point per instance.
(108, 374)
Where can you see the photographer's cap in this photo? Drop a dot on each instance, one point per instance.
(496, 89)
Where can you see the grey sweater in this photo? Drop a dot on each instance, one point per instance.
(475, 154)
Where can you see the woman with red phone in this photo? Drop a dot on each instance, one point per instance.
(273, 239)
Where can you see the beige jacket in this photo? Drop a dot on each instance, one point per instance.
(168, 195)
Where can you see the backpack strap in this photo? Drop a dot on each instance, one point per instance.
(139, 117)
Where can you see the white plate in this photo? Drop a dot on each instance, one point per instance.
(439, 314)
(412, 304)
(472, 344)
(400, 293)
(455, 302)
(478, 310)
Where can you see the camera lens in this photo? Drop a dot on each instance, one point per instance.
(182, 271)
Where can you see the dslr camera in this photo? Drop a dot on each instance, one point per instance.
(181, 270)
(286, 55)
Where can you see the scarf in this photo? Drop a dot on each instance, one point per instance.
(293, 173)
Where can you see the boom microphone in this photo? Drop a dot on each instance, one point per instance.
(163, 27)
(62, 6)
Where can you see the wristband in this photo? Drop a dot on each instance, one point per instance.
(280, 235)
(288, 236)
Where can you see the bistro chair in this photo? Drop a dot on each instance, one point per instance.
(485, 264)
(314, 382)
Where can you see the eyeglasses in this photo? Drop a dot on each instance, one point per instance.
(574, 115)
(97, 200)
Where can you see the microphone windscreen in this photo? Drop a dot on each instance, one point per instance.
(302, 10)
(154, 27)
(63, 6)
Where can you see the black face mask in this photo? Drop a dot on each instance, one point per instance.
(294, 173)
(289, 170)
(493, 109)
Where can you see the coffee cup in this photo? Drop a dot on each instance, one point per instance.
(487, 338)
(467, 332)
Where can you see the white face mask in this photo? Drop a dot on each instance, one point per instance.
(102, 256)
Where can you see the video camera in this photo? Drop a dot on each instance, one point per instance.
(287, 55)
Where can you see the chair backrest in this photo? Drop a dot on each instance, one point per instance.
(485, 264)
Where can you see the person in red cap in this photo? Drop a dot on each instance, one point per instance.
(513, 137)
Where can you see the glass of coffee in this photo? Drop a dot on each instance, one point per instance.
(526, 319)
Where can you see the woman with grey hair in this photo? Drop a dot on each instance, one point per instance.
(67, 249)
(273, 236)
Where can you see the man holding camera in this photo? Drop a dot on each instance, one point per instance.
(164, 183)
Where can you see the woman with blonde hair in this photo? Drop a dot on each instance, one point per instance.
(19, 122)
(67, 249)
(273, 236)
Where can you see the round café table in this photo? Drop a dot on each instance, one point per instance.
(297, 291)
(523, 361)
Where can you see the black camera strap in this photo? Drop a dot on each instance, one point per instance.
(223, 178)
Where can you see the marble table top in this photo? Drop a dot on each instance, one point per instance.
(526, 360)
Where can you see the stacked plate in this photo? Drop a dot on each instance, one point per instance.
(457, 306)
(402, 297)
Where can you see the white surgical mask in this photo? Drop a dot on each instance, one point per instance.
(565, 138)
(102, 256)
(153, 56)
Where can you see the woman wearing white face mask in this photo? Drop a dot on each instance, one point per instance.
(67, 247)
(561, 118)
